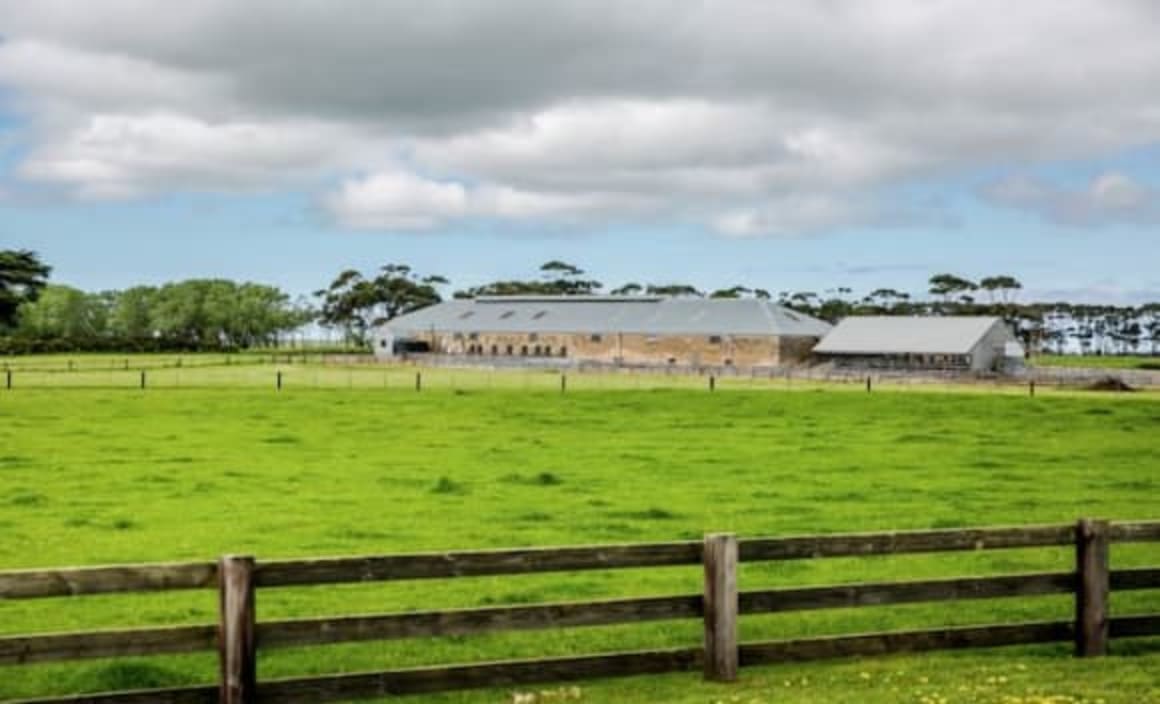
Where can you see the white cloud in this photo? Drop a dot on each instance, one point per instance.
(122, 156)
(400, 200)
(751, 117)
(1110, 198)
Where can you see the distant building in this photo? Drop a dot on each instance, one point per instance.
(965, 343)
(629, 330)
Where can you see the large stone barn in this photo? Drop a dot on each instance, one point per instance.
(627, 330)
(956, 343)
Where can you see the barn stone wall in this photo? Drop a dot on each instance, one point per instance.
(627, 348)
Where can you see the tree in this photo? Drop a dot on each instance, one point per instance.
(356, 304)
(886, 300)
(733, 292)
(22, 277)
(131, 316)
(565, 279)
(67, 314)
(1004, 285)
(947, 285)
(675, 290)
(629, 289)
(557, 278)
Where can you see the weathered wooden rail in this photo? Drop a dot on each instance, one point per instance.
(237, 636)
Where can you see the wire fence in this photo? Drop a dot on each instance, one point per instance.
(293, 373)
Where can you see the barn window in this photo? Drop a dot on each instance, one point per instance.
(523, 350)
(729, 362)
(510, 350)
(547, 350)
(597, 338)
(536, 350)
(494, 350)
(563, 351)
(714, 339)
(672, 360)
(383, 342)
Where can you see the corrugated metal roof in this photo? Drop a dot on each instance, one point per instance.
(875, 334)
(609, 314)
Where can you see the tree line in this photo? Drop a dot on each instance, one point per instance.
(218, 314)
(196, 314)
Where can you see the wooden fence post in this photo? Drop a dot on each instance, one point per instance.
(563, 382)
(279, 382)
(1092, 587)
(8, 378)
(867, 384)
(237, 654)
(720, 607)
(418, 381)
(1031, 388)
(142, 378)
(712, 382)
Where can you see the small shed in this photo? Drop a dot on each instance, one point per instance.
(963, 343)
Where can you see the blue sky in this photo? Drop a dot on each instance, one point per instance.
(140, 149)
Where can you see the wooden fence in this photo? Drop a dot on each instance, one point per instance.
(237, 635)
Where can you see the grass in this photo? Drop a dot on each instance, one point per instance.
(1099, 361)
(255, 371)
(109, 475)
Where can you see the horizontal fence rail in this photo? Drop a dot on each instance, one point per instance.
(30, 584)
(239, 636)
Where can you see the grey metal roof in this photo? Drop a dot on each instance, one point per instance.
(609, 314)
(875, 334)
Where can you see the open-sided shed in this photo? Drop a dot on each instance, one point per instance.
(976, 343)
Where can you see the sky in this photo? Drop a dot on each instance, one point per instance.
(787, 146)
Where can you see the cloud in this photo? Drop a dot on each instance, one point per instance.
(400, 200)
(120, 156)
(746, 117)
(1110, 198)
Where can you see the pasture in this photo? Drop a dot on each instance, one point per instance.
(1099, 361)
(111, 475)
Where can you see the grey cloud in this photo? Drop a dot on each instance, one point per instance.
(765, 117)
(1111, 198)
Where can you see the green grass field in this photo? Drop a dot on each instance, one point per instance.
(262, 370)
(1099, 362)
(109, 475)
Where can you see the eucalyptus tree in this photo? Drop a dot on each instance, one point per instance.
(356, 303)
